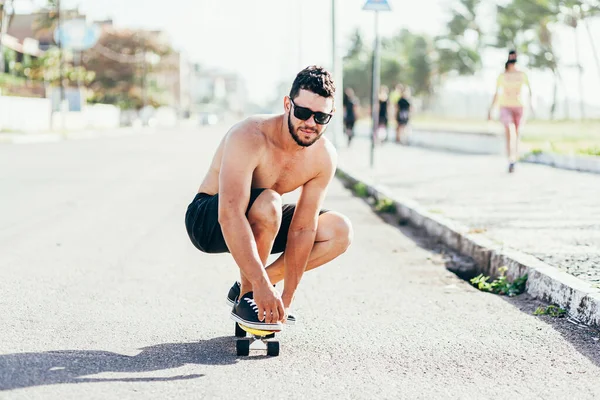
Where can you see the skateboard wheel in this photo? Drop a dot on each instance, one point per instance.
(273, 349)
(239, 332)
(242, 347)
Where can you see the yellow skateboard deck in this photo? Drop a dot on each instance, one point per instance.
(256, 332)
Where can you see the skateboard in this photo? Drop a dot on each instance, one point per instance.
(260, 340)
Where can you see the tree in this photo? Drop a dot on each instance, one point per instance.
(47, 69)
(413, 53)
(572, 13)
(525, 25)
(357, 47)
(357, 67)
(405, 58)
(121, 64)
(459, 49)
(7, 14)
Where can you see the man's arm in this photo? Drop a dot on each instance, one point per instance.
(303, 228)
(241, 153)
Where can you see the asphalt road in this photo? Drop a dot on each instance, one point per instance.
(102, 296)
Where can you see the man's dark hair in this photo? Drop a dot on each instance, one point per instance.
(315, 79)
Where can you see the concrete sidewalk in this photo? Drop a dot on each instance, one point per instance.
(550, 214)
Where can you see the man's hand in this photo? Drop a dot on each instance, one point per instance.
(268, 300)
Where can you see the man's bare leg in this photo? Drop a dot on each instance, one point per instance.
(334, 235)
(265, 218)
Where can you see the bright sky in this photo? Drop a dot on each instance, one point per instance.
(266, 41)
(269, 41)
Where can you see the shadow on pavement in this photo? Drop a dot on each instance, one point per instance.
(23, 370)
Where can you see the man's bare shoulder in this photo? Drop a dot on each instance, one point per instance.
(249, 132)
(327, 155)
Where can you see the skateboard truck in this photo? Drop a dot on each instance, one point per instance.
(261, 340)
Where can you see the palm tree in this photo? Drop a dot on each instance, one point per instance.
(525, 25)
(572, 13)
(460, 48)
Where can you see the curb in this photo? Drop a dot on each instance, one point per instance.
(575, 163)
(491, 143)
(545, 282)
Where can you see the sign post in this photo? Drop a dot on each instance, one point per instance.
(376, 6)
(75, 35)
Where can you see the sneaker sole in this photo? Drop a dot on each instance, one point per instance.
(262, 327)
(229, 302)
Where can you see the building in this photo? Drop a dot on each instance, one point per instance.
(218, 90)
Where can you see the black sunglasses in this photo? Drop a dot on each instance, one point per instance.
(304, 114)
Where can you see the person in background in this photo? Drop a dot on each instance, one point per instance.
(508, 97)
(350, 113)
(396, 93)
(383, 112)
(402, 113)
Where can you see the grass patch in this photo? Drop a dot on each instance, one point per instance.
(553, 311)
(360, 190)
(501, 285)
(385, 205)
(590, 151)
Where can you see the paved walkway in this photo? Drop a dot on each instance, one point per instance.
(550, 213)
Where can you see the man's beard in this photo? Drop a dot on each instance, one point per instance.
(297, 137)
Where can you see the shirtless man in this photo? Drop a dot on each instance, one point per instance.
(238, 208)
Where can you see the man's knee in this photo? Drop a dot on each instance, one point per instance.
(266, 210)
(342, 231)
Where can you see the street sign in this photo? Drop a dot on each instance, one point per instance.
(377, 5)
(77, 35)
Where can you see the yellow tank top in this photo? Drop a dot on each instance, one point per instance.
(510, 85)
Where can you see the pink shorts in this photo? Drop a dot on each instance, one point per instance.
(510, 115)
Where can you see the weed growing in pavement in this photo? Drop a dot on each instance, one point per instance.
(553, 311)
(385, 205)
(361, 190)
(500, 285)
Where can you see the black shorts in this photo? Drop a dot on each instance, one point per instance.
(204, 230)
(349, 123)
(402, 118)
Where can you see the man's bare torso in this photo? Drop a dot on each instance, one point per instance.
(279, 169)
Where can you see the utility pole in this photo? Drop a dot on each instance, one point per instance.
(4, 21)
(62, 63)
(375, 89)
(338, 73)
(376, 6)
